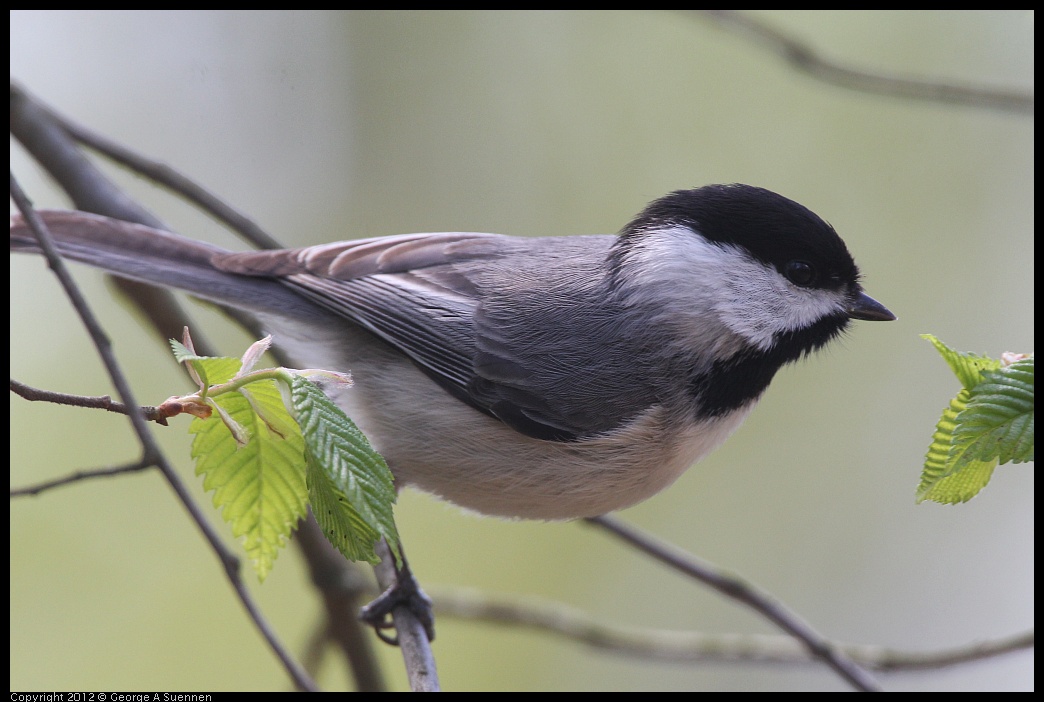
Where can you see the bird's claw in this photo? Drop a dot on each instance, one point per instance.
(405, 592)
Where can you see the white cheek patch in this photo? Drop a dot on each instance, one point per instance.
(759, 303)
(706, 285)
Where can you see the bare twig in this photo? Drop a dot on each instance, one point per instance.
(805, 59)
(819, 646)
(80, 475)
(889, 660)
(27, 392)
(344, 589)
(691, 646)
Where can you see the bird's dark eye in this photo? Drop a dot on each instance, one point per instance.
(799, 273)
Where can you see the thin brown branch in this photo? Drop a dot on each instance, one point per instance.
(888, 660)
(818, 646)
(807, 60)
(344, 589)
(27, 392)
(80, 475)
(690, 646)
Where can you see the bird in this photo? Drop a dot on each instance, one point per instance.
(549, 377)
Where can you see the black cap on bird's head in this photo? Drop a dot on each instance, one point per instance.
(772, 229)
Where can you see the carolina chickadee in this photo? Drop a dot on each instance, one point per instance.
(544, 378)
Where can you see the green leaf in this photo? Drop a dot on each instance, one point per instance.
(990, 421)
(351, 488)
(209, 370)
(343, 525)
(220, 369)
(997, 424)
(967, 367)
(265, 460)
(942, 480)
(182, 353)
(260, 487)
(960, 486)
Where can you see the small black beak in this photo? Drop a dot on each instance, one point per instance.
(866, 307)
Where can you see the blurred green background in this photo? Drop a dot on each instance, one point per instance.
(326, 126)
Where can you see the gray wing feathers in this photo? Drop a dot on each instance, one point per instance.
(441, 299)
(346, 260)
(435, 332)
(499, 322)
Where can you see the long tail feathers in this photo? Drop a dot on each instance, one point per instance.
(154, 256)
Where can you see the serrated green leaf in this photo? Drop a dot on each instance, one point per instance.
(967, 367)
(182, 353)
(357, 487)
(990, 420)
(936, 464)
(260, 487)
(960, 486)
(343, 525)
(945, 477)
(997, 423)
